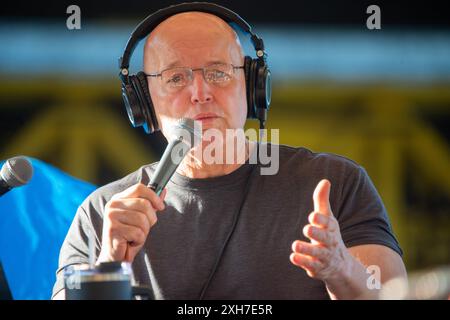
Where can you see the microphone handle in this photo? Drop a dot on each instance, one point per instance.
(171, 159)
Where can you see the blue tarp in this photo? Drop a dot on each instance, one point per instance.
(34, 220)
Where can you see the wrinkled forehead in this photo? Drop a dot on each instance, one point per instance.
(191, 36)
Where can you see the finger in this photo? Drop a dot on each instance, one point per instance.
(135, 236)
(315, 251)
(306, 262)
(321, 197)
(163, 194)
(142, 191)
(130, 218)
(136, 204)
(323, 221)
(317, 234)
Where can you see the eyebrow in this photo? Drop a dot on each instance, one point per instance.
(172, 65)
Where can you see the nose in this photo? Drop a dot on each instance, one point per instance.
(201, 90)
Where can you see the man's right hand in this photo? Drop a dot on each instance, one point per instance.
(128, 218)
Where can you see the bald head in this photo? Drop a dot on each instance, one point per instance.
(189, 32)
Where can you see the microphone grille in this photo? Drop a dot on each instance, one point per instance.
(17, 171)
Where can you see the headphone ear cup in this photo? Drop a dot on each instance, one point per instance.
(250, 87)
(140, 83)
(132, 103)
(263, 88)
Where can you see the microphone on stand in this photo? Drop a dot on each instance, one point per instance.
(15, 172)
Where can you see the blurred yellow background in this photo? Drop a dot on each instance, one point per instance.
(381, 98)
(382, 127)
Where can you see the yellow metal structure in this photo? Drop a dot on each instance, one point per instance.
(380, 126)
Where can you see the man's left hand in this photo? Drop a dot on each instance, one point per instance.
(326, 257)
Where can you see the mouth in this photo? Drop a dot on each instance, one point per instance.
(205, 116)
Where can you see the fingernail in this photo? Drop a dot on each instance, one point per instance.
(305, 229)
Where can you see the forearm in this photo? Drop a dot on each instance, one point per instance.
(351, 282)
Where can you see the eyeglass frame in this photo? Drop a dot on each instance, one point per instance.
(154, 75)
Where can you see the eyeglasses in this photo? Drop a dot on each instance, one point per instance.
(179, 77)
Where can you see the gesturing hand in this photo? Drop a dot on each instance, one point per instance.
(326, 257)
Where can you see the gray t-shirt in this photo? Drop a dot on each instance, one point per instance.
(184, 245)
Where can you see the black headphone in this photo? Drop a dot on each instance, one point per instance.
(136, 95)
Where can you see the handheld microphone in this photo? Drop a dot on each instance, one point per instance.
(186, 134)
(15, 172)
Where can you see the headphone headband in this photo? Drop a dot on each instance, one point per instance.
(149, 23)
(135, 91)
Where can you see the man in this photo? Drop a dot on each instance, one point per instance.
(176, 242)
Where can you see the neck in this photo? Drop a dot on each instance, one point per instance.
(192, 167)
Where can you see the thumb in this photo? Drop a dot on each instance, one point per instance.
(321, 197)
(163, 194)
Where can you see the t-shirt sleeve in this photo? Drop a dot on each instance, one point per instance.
(75, 247)
(362, 216)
